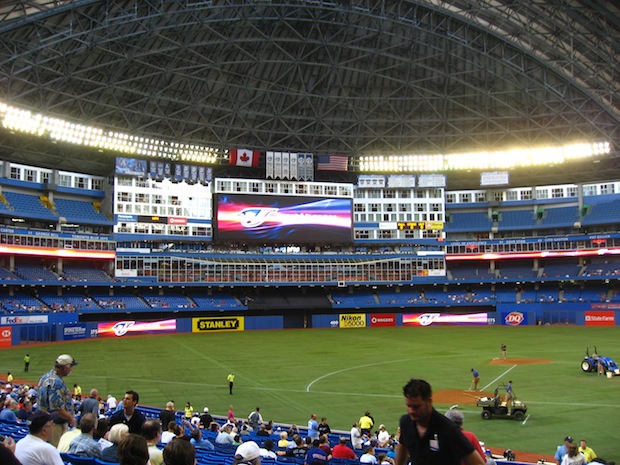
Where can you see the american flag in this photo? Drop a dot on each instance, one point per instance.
(333, 163)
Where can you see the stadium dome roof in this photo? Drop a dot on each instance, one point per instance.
(351, 77)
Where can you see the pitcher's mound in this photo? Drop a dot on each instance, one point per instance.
(453, 396)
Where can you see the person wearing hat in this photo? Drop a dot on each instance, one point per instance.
(248, 452)
(55, 397)
(206, 418)
(35, 447)
(563, 450)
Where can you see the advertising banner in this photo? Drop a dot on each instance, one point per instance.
(514, 319)
(202, 325)
(383, 319)
(24, 320)
(443, 319)
(122, 328)
(600, 319)
(72, 332)
(352, 320)
(6, 336)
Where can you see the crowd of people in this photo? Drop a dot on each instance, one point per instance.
(61, 420)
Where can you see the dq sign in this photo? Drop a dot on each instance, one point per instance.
(515, 319)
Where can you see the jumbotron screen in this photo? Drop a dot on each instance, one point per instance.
(282, 219)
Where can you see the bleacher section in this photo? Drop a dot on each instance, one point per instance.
(28, 206)
(216, 301)
(560, 270)
(78, 211)
(85, 274)
(172, 301)
(560, 217)
(515, 220)
(468, 222)
(223, 453)
(602, 209)
(34, 273)
(466, 271)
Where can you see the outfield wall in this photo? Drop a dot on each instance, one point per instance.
(18, 330)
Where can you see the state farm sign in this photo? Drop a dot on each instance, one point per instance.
(600, 319)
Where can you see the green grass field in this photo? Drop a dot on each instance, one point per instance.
(341, 373)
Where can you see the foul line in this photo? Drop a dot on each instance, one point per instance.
(309, 386)
(498, 378)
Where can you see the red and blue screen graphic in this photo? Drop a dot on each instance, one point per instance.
(280, 219)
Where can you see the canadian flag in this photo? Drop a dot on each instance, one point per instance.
(244, 157)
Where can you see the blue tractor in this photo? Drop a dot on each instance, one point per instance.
(594, 362)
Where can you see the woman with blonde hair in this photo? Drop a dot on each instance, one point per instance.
(115, 436)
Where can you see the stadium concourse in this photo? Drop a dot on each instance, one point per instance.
(223, 454)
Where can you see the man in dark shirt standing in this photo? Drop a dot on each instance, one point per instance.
(168, 414)
(427, 437)
(129, 415)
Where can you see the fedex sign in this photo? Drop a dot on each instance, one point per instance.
(514, 319)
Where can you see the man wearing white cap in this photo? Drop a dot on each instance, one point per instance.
(247, 453)
(55, 397)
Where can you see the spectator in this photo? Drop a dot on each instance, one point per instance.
(65, 440)
(342, 451)
(489, 458)
(151, 430)
(324, 444)
(170, 433)
(117, 433)
(383, 459)
(133, 450)
(34, 448)
(7, 452)
(25, 412)
(9, 410)
(111, 403)
(179, 452)
(294, 429)
(103, 425)
(369, 456)
(225, 436)
(316, 455)
(262, 431)
(84, 445)
(267, 450)
(168, 414)
(298, 450)
(255, 419)
(383, 438)
(129, 414)
(366, 423)
(427, 437)
(324, 427)
(313, 427)
(573, 457)
(199, 442)
(90, 404)
(283, 441)
(189, 411)
(458, 419)
(356, 437)
(247, 453)
(588, 453)
(562, 450)
(55, 397)
(205, 419)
